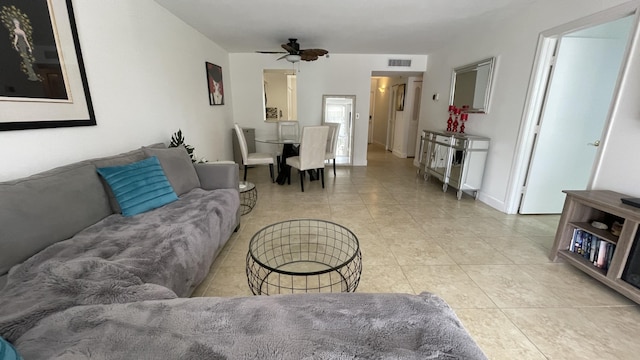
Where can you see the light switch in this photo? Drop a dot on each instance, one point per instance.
(357, 116)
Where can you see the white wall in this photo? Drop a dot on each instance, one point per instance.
(341, 74)
(146, 74)
(512, 38)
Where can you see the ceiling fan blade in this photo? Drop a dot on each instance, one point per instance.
(270, 52)
(314, 52)
(308, 57)
(290, 48)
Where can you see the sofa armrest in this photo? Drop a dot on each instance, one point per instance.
(217, 176)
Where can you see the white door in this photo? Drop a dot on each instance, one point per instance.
(413, 120)
(574, 113)
(339, 109)
(391, 122)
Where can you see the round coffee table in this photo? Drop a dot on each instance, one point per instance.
(303, 256)
(248, 196)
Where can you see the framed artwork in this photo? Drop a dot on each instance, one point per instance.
(272, 113)
(214, 79)
(43, 83)
(400, 97)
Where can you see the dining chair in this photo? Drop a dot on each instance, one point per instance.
(287, 130)
(311, 153)
(332, 144)
(252, 158)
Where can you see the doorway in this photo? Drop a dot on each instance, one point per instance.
(576, 89)
(339, 109)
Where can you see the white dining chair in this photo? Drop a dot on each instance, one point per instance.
(311, 153)
(287, 130)
(252, 158)
(332, 144)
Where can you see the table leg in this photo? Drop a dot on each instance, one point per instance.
(285, 170)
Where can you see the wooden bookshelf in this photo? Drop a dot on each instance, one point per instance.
(581, 208)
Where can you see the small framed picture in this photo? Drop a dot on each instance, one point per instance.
(214, 79)
(400, 97)
(272, 113)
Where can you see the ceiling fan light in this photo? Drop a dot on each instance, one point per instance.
(293, 58)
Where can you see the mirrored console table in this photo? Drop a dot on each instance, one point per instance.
(456, 159)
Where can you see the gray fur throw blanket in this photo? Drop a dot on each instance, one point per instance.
(161, 254)
(299, 326)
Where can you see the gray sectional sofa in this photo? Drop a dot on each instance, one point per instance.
(63, 242)
(79, 280)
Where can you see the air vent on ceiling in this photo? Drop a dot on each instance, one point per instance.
(400, 62)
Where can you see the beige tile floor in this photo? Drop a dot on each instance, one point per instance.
(492, 268)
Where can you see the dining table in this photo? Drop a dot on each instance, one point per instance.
(289, 148)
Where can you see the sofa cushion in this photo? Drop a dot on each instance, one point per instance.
(45, 208)
(120, 159)
(140, 186)
(177, 166)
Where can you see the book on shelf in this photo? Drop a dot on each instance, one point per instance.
(610, 248)
(572, 246)
(593, 249)
(576, 242)
(602, 254)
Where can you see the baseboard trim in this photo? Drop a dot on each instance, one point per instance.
(493, 202)
(399, 154)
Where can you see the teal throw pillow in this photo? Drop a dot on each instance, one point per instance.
(7, 351)
(140, 186)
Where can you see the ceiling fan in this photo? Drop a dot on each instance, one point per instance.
(295, 54)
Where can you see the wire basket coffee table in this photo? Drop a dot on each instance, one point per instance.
(303, 256)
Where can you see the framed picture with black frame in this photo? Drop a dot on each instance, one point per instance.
(214, 81)
(43, 83)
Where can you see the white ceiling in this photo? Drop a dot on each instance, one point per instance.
(340, 26)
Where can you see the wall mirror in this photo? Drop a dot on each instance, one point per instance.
(280, 102)
(471, 86)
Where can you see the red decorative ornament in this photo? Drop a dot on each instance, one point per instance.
(463, 118)
(456, 112)
(452, 110)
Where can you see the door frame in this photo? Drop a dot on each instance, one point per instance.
(351, 121)
(536, 94)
